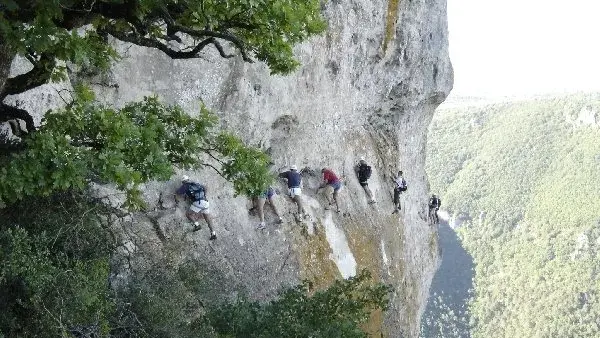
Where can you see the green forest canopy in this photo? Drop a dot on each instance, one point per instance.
(531, 171)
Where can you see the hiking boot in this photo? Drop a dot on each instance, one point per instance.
(279, 221)
(196, 227)
(213, 236)
(261, 226)
(327, 207)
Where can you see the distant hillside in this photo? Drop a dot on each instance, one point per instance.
(530, 169)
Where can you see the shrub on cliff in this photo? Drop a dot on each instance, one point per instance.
(57, 278)
(334, 312)
(141, 142)
(55, 255)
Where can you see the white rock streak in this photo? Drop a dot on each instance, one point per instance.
(383, 255)
(341, 254)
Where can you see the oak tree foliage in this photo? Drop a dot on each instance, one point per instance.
(144, 140)
(87, 141)
(46, 32)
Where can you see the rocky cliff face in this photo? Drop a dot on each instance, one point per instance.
(368, 87)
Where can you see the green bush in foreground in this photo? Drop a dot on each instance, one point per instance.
(55, 265)
(335, 312)
(57, 275)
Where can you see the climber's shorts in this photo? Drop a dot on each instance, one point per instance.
(200, 207)
(336, 185)
(397, 193)
(363, 184)
(268, 194)
(295, 192)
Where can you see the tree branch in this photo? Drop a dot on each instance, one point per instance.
(214, 168)
(91, 144)
(10, 113)
(222, 51)
(83, 14)
(154, 43)
(83, 10)
(221, 162)
(201, 33)
(39, 75)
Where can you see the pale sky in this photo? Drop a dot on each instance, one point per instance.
(524, 47)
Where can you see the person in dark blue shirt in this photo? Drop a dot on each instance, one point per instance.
(196, 192)
(294, 182)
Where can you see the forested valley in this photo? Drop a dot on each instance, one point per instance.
(524, 176)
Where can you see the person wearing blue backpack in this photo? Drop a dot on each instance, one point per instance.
(196, 192)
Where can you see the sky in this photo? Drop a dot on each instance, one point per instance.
(524, 47)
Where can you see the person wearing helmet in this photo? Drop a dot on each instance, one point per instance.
(294, 183)
(196, 192)
(329, 178)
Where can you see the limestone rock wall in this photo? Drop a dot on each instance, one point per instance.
(367, 87)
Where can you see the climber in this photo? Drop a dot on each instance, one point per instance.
(329, 178)
(434, 205)
(400, 186)
(294, 183)
(259, 202)
(196, 192)
(363, 172)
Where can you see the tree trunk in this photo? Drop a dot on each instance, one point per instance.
(6, 57)
(8, 112)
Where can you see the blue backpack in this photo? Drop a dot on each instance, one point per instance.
(196, 192)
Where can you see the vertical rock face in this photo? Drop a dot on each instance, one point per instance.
(367, 87)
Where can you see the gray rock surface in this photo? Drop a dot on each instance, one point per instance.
(367, 87)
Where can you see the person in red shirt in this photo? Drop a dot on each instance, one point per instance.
(329, 178)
